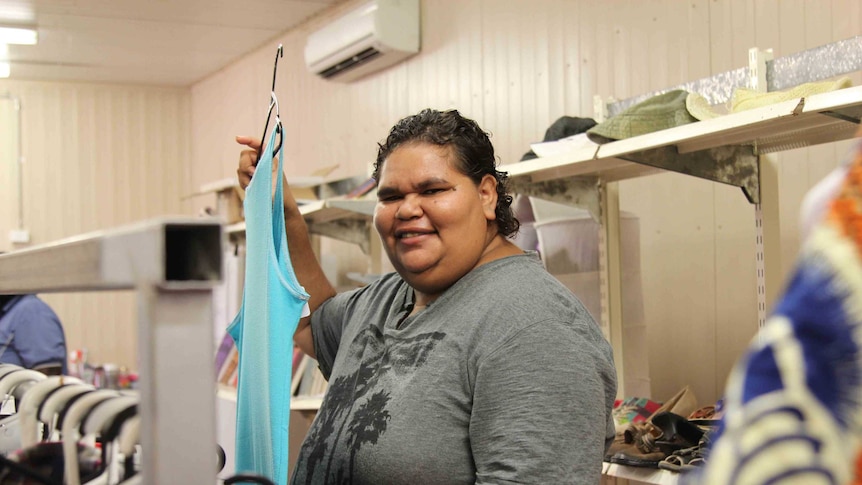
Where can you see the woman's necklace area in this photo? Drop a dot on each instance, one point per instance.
(414, 309)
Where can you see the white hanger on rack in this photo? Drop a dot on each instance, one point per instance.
(98, 421)
(28, 408)
(11, 380)
(128, 439)
(12, 387)
(69, 433)
(130, 435)
(14, 382)
(103, 414)
(54, 402)
(7, 368)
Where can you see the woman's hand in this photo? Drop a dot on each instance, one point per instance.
(248, 161)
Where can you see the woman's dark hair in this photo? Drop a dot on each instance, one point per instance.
(473, 149)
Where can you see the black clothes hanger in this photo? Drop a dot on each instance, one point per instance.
(273, 103)
(222, 458)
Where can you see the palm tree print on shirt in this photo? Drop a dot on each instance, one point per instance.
(355, 409)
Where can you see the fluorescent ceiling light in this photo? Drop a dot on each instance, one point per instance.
(17, 12)
(4, 69)
(18, 35)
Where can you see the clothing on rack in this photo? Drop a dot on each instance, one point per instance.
(92, 421)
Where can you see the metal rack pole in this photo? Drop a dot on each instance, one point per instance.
(173, 264)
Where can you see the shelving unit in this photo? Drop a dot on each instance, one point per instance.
(306, 403)
(343, 219)
(645, 475)
(725, 149)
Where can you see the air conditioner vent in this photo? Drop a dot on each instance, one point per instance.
(348, 64)
(366, 39)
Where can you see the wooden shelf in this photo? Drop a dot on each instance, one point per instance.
(723, 149)
(343, 219)
(334, 209)
(646, 475)
(306, 403)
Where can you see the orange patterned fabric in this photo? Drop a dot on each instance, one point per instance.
(845, 210)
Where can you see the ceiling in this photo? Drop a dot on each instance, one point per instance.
(154, 42)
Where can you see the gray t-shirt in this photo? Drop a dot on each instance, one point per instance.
(505, 378)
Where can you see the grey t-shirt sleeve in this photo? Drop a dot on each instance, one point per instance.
(328, 324)
(326, 329)
(561, 370)
(330, 321)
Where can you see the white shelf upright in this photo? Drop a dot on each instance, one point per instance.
(173, 265)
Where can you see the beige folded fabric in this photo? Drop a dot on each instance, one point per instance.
(744, 99)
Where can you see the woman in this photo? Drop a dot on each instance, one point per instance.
(471, 363)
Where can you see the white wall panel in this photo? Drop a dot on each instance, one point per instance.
(9, 166)
(670, 57)
(96, 157)
(515, 67)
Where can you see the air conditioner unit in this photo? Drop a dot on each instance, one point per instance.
(369, 38)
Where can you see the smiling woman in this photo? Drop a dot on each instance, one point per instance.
(444, 209)
(435, 223)
(502, 376)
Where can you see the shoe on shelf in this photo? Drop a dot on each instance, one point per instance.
(641, 444)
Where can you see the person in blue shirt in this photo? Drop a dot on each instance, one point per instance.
(31, 334)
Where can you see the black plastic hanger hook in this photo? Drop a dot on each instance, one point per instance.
(278, 53)
(273, 103)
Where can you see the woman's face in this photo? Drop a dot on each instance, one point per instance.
(433, 220)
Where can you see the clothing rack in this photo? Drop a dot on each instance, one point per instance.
(173, 264)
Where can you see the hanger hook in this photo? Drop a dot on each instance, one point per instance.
(278, 53)
(273, 102)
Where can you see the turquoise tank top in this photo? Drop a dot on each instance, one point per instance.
(272, 304)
